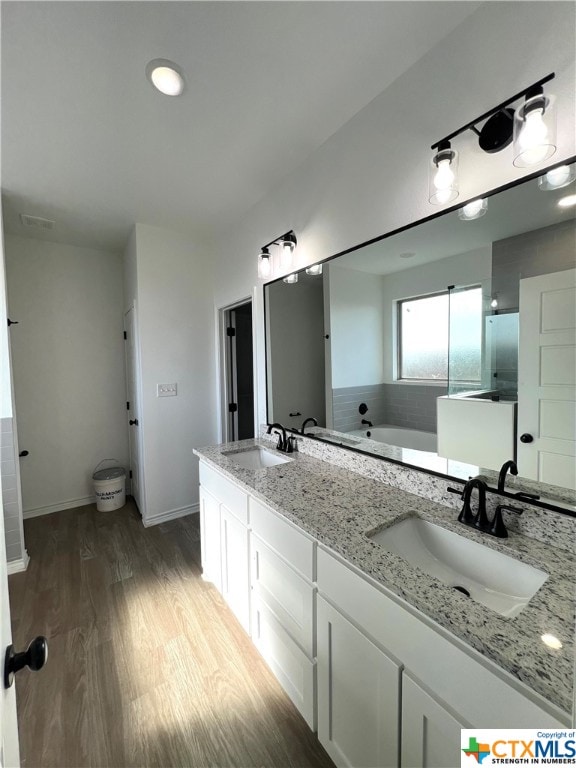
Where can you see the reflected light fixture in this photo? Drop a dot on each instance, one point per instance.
(473, 210)
(287, 244)
(557, 178)
(264, 263)
(165, 76)
(494, 303)
(566, 202)
(291, 279)
(532, 126)
(315, 269)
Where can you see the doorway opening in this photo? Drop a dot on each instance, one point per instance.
(238, 372)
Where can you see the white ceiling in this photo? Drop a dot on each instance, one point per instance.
(86, 140)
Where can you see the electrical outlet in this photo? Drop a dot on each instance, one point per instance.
(166, 390)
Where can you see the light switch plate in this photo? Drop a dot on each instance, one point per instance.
(166, 390)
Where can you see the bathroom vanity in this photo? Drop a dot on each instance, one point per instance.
(386, 662)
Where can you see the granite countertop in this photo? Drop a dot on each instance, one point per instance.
(338, 507)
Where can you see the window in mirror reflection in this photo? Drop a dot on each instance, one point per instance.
(423, 336)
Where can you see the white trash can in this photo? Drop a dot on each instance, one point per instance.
(109, 487)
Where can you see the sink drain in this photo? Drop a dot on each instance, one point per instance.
(461, 589)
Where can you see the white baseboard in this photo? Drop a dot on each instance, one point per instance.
(171, 514)
(39, 511)
(17, 566)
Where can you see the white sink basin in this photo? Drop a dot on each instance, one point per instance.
(256, 458)
(492, 578)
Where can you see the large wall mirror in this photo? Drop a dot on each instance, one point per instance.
(448, 346)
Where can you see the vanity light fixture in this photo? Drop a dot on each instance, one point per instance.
(532, 126)
(443, 175)
(315, 269)
(264, 264)
(566, 202)
(287, 244)
(534, 129)
(473, 210)
(165, 76)
(557, 178)
(291, 279)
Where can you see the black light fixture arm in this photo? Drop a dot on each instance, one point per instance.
(287, 237)
(531, 90)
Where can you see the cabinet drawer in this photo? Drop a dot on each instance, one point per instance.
(225, 491)
(284, 538)
(288, 595)
(292, 668)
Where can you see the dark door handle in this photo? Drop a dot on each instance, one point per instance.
(12, 322)
(526, 438)
(133, 422)
(23, 453)
(34, 657)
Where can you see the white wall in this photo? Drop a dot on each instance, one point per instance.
(356, 327)
(68, 365)
(464, 269)
(170, 279)
(371, 176)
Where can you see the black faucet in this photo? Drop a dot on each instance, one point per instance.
(312, 419)
(285, 444)
(512, 466)
(368, 423)
(508, 465)
(466, 516)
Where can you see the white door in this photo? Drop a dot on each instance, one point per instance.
(430, 734)
(131, 358)
(547, 379)
(358, 695)
(9, 748)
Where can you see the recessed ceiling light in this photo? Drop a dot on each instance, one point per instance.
(407, 255)
(566, 202)
(551, 641)
(165, 76)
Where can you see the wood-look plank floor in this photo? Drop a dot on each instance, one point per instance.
(147, 666)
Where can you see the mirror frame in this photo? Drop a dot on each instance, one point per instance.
(397, 231)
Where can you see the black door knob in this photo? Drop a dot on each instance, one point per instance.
(23, 453)
(133, 422)
(34, 657)
(526, 438)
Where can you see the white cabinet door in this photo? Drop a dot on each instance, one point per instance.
(358, 695)
(210, 539)
(235, 566)
(430, 734)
